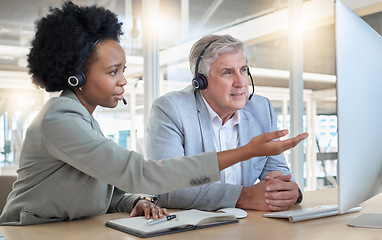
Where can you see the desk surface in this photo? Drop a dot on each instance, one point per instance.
(255, 226)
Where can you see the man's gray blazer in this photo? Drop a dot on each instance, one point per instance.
(179, 125)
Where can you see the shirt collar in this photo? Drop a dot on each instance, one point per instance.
(214, 117)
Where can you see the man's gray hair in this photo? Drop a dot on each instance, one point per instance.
(221, 44)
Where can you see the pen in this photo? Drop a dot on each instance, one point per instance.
(159, 220)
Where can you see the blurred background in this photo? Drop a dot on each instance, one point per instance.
(175, 26)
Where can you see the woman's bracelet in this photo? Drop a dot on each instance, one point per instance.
(149, 199)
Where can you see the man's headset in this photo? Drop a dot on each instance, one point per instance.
(199, 82)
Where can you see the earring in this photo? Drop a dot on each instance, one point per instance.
(80, 88)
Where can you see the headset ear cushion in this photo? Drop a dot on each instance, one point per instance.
(202, 82)
(82, 78)
(77, 80)
(199, 82)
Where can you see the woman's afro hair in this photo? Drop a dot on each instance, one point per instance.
(64, 41)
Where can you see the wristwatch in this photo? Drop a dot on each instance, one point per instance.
(151, 199)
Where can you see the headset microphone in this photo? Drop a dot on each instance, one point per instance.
(124, 101)
(253, 85)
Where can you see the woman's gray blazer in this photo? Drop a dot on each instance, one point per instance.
(69, 170)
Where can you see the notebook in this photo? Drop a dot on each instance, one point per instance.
(184, 221)
(310, 213)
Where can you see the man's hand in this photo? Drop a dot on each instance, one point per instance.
(276, 193)
(253, 197)
(281, 195)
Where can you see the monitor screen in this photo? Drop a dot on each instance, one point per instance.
(359, 108)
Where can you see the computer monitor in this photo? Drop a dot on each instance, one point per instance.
(359, 110)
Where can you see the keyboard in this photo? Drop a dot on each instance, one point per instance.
(310, 213)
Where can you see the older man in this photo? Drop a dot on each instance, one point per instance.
(215, 113)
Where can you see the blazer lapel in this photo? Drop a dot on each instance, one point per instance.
(204, 124)
(247, 130)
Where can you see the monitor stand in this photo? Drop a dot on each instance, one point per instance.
(367, 220)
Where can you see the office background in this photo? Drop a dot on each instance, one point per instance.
(157, 38)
